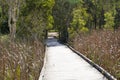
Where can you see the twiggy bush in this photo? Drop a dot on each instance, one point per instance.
(21, 60)
(103, 47)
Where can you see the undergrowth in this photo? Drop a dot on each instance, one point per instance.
(21, 60)
(102, 47)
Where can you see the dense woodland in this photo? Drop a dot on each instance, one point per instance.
(90, 26)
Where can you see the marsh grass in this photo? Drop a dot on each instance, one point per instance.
(21, 60)
(102, 47)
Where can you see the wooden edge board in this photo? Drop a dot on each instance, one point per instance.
(100, 69)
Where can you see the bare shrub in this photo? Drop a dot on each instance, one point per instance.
(103, 47)
(21, 60)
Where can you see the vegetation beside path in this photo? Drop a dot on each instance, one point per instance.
(102, 47)
(92, 25)
(21, 60)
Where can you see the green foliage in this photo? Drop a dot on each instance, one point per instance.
(9, 75)
(35, 18)
(62, 18)
(48, 3)
(71, 33)
(50, 22)
(18, 72)
(80, 18)
(109, 18)
(84, 29)
(74, 1)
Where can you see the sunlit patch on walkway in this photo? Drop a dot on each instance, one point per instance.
(63, 64)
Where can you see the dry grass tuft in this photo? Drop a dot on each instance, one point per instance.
(21, 60)
(103, 47)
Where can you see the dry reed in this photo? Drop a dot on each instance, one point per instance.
(21, 60)
(103, 47)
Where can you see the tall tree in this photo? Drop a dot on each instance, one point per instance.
(62, 17)
(80, 17)
(13, 14)
(35, 18)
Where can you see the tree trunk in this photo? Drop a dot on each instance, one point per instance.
(95, 20)
(13, 15)
(46, 34)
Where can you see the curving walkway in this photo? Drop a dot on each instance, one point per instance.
(63, 64)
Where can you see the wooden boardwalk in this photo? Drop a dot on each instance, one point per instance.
(61, 63)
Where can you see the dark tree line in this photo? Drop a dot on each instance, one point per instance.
(26, 18)
(75, 16)
(36, 17)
